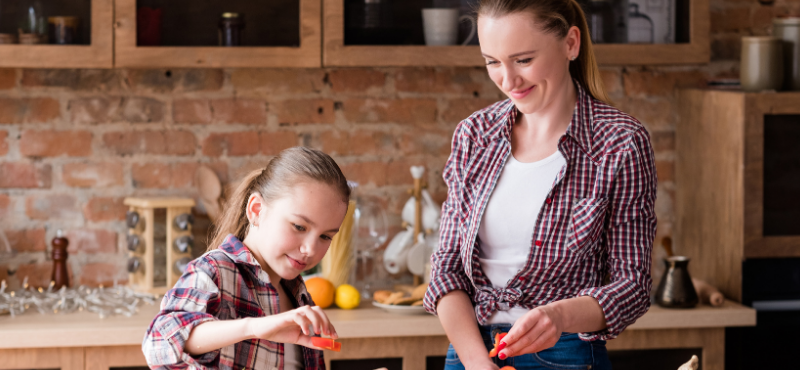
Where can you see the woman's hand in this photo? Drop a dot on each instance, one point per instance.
(538, 330)
(293, 326)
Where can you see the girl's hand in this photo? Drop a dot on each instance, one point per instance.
(293, 326)
(538, 330)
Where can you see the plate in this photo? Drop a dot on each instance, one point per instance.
(402, 310)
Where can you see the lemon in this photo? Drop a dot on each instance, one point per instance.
(347, 297)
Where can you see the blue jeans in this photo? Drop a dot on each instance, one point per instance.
(569, 353)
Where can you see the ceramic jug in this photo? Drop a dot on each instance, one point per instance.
(676, 289)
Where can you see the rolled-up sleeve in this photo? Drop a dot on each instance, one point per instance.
(629, 236)
(191, 302)
(447, 271)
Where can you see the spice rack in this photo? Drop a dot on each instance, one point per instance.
(144, 266)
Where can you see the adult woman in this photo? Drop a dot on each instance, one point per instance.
(554, 174)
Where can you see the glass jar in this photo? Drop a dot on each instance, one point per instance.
(230, 29)
(32, 23)
(640, 27)
(787, 29)
(63, 30)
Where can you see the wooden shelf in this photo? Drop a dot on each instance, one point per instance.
(128, 54)
(97, 55)
(336, 53)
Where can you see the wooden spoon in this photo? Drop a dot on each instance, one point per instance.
(210, 189)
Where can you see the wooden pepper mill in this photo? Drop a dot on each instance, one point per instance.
(60, 277)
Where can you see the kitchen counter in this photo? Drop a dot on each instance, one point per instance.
(116, 340)
(85, 329)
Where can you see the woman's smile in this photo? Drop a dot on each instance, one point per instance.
(519, 94)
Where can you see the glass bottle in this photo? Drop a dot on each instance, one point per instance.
(230, 29)
(32, 23)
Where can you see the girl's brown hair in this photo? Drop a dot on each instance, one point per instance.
(291, 166)
(556, 17)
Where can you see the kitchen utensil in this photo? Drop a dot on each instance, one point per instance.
(761, 66)
(210, 189)
(395, 258)
(667, 243)
(707, 293)
(60, 275)
(676, 289)
(416, 256)
(788, 31)
(372, 231)
(431, 212)
(63, 30)
(441, 26)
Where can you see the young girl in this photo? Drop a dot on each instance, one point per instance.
(550, 192)
(243, 304)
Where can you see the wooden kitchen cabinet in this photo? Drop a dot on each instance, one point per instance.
(98, 53)
(738, 166)
(127, 53)
(337, 53)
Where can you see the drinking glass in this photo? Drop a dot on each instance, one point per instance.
(371, 233)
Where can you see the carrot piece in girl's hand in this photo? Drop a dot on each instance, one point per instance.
(326, 343)
(497, 349)
(507, 368)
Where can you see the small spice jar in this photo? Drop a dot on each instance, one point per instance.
(230, 29)
(63, 30)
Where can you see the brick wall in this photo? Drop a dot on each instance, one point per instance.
(74, 143)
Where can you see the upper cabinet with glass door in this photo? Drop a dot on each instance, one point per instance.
(440, 32)
(217, 33)
(56, 33)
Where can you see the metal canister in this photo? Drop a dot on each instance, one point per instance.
(787, 29)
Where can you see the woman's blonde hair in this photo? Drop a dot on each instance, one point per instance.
(290, 167)
(556, 17)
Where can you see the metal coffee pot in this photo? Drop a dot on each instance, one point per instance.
(675, 289)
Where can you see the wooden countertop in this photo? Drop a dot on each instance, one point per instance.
(84, 329)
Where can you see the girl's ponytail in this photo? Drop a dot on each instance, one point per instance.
(278, 178)
(234, 218)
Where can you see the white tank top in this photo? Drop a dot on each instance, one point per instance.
(506, 230)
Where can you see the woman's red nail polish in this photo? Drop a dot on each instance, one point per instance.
(501, 346)
(502, 356)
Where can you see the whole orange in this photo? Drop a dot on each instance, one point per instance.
(321, 290)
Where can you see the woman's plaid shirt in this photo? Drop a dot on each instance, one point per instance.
(224, 284)
(598, 218)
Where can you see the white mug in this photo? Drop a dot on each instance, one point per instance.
(441, 26)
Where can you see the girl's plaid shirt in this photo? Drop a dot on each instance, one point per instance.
(598, 218)
(224, 284)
